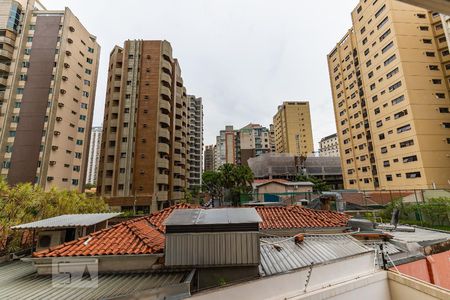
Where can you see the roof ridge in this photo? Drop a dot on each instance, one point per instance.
(317, 217)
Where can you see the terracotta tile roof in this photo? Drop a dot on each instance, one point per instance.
(143, 235)
(289, 217)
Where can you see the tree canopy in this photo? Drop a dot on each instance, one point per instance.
(25, 203)
(229, 181)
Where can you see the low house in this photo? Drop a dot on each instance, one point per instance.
(65, 228)
(279, 190)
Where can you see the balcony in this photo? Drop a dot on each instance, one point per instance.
(3, 81)
(7, 40)
(162, 179)
(165, 105)
(178, 170)
(179, 182)
(167, 65)
(162, 163)
(4, 68)
(163, 148)
(164, 119)
(163, 196)
(5, 55)
(166, 49)
(177, 157)
(177, 145)
(177, 196)
(163, 132)
(166, 91)
(178, 122)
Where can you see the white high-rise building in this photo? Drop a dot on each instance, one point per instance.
(195, 133)
(94, 155)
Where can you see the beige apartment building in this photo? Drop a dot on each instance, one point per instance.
(390, 83)
(143, 158)
(293, 130)
(209, 158)
(48, 73)
(195, 143)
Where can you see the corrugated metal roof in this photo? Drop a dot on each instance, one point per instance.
(390, 248)
(18, 280)
(315, 249)
(212, 216)
(75, 220)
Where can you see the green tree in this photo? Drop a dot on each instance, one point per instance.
(213, 184)
(319, 184)
(25, 203)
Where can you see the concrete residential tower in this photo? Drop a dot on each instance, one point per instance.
(48, 74)
(195, 134)
(143, 159)
(329, 146)
(209, 158)
(293, 130)
(390, 83)
(94, 155)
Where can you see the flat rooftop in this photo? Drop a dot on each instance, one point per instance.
(212, 216)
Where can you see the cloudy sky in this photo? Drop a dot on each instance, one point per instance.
(243, 57)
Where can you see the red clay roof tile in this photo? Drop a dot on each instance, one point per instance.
(145, 235)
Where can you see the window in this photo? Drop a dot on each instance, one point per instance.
(19, 91)
(398, 100)
(395, 86)
(381, 136)
(400, 114)
(77, 155)
(374, 98)
(436, 81)
(383, 150)
(384, 35)
(372, 86)
(74, 181)
(389, 60)
(80, 129)
(376, 110)
(389, 177)
(423, 28)
(408, 159)
(427, 41)
(433, 67)
(29, 39)
(380, 11)
(385, 20)
(404, 128)
(370, 74)
(444, 110)
(87, 71)
(91, 50)
(406, 143)
(89, 60)
(83, 117)
(387, 47)
(440, 95)
(85, 94)
(84, 105)
(379, 123)
(87, 82)
(79, 142)
(446, 125)
(421, 16)
(430, 54)
(392, 73)
(413, 175)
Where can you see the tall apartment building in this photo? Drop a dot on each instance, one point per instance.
(195, 134)
(225, 147)
(48, 74)
(329, 146)
(209, 158)
(272, 138)
(293, 130)
(251, 141)
(143, 160)
(94, 155)
(390, 83)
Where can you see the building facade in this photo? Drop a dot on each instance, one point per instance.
(390, 84)
(293, 130)
(48, 74)
(329, 146)
(251, 141)
(195, 134)
(272, 138)
(225, 147)
(143, 160)
(94, 155)
(209, 158)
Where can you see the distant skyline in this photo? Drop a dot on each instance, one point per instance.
(244, 58)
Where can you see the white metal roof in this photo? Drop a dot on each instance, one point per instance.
(280, 254)
(213, 216)
(63, 221)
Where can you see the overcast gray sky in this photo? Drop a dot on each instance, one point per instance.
(243, 57)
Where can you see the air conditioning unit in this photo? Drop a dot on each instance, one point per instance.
(59, 119)
(52, 163)
(64, 78)
(50, 178)
(63, 91)
(54, 148)
(60, 104)
(56, 133)
(66, 65)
